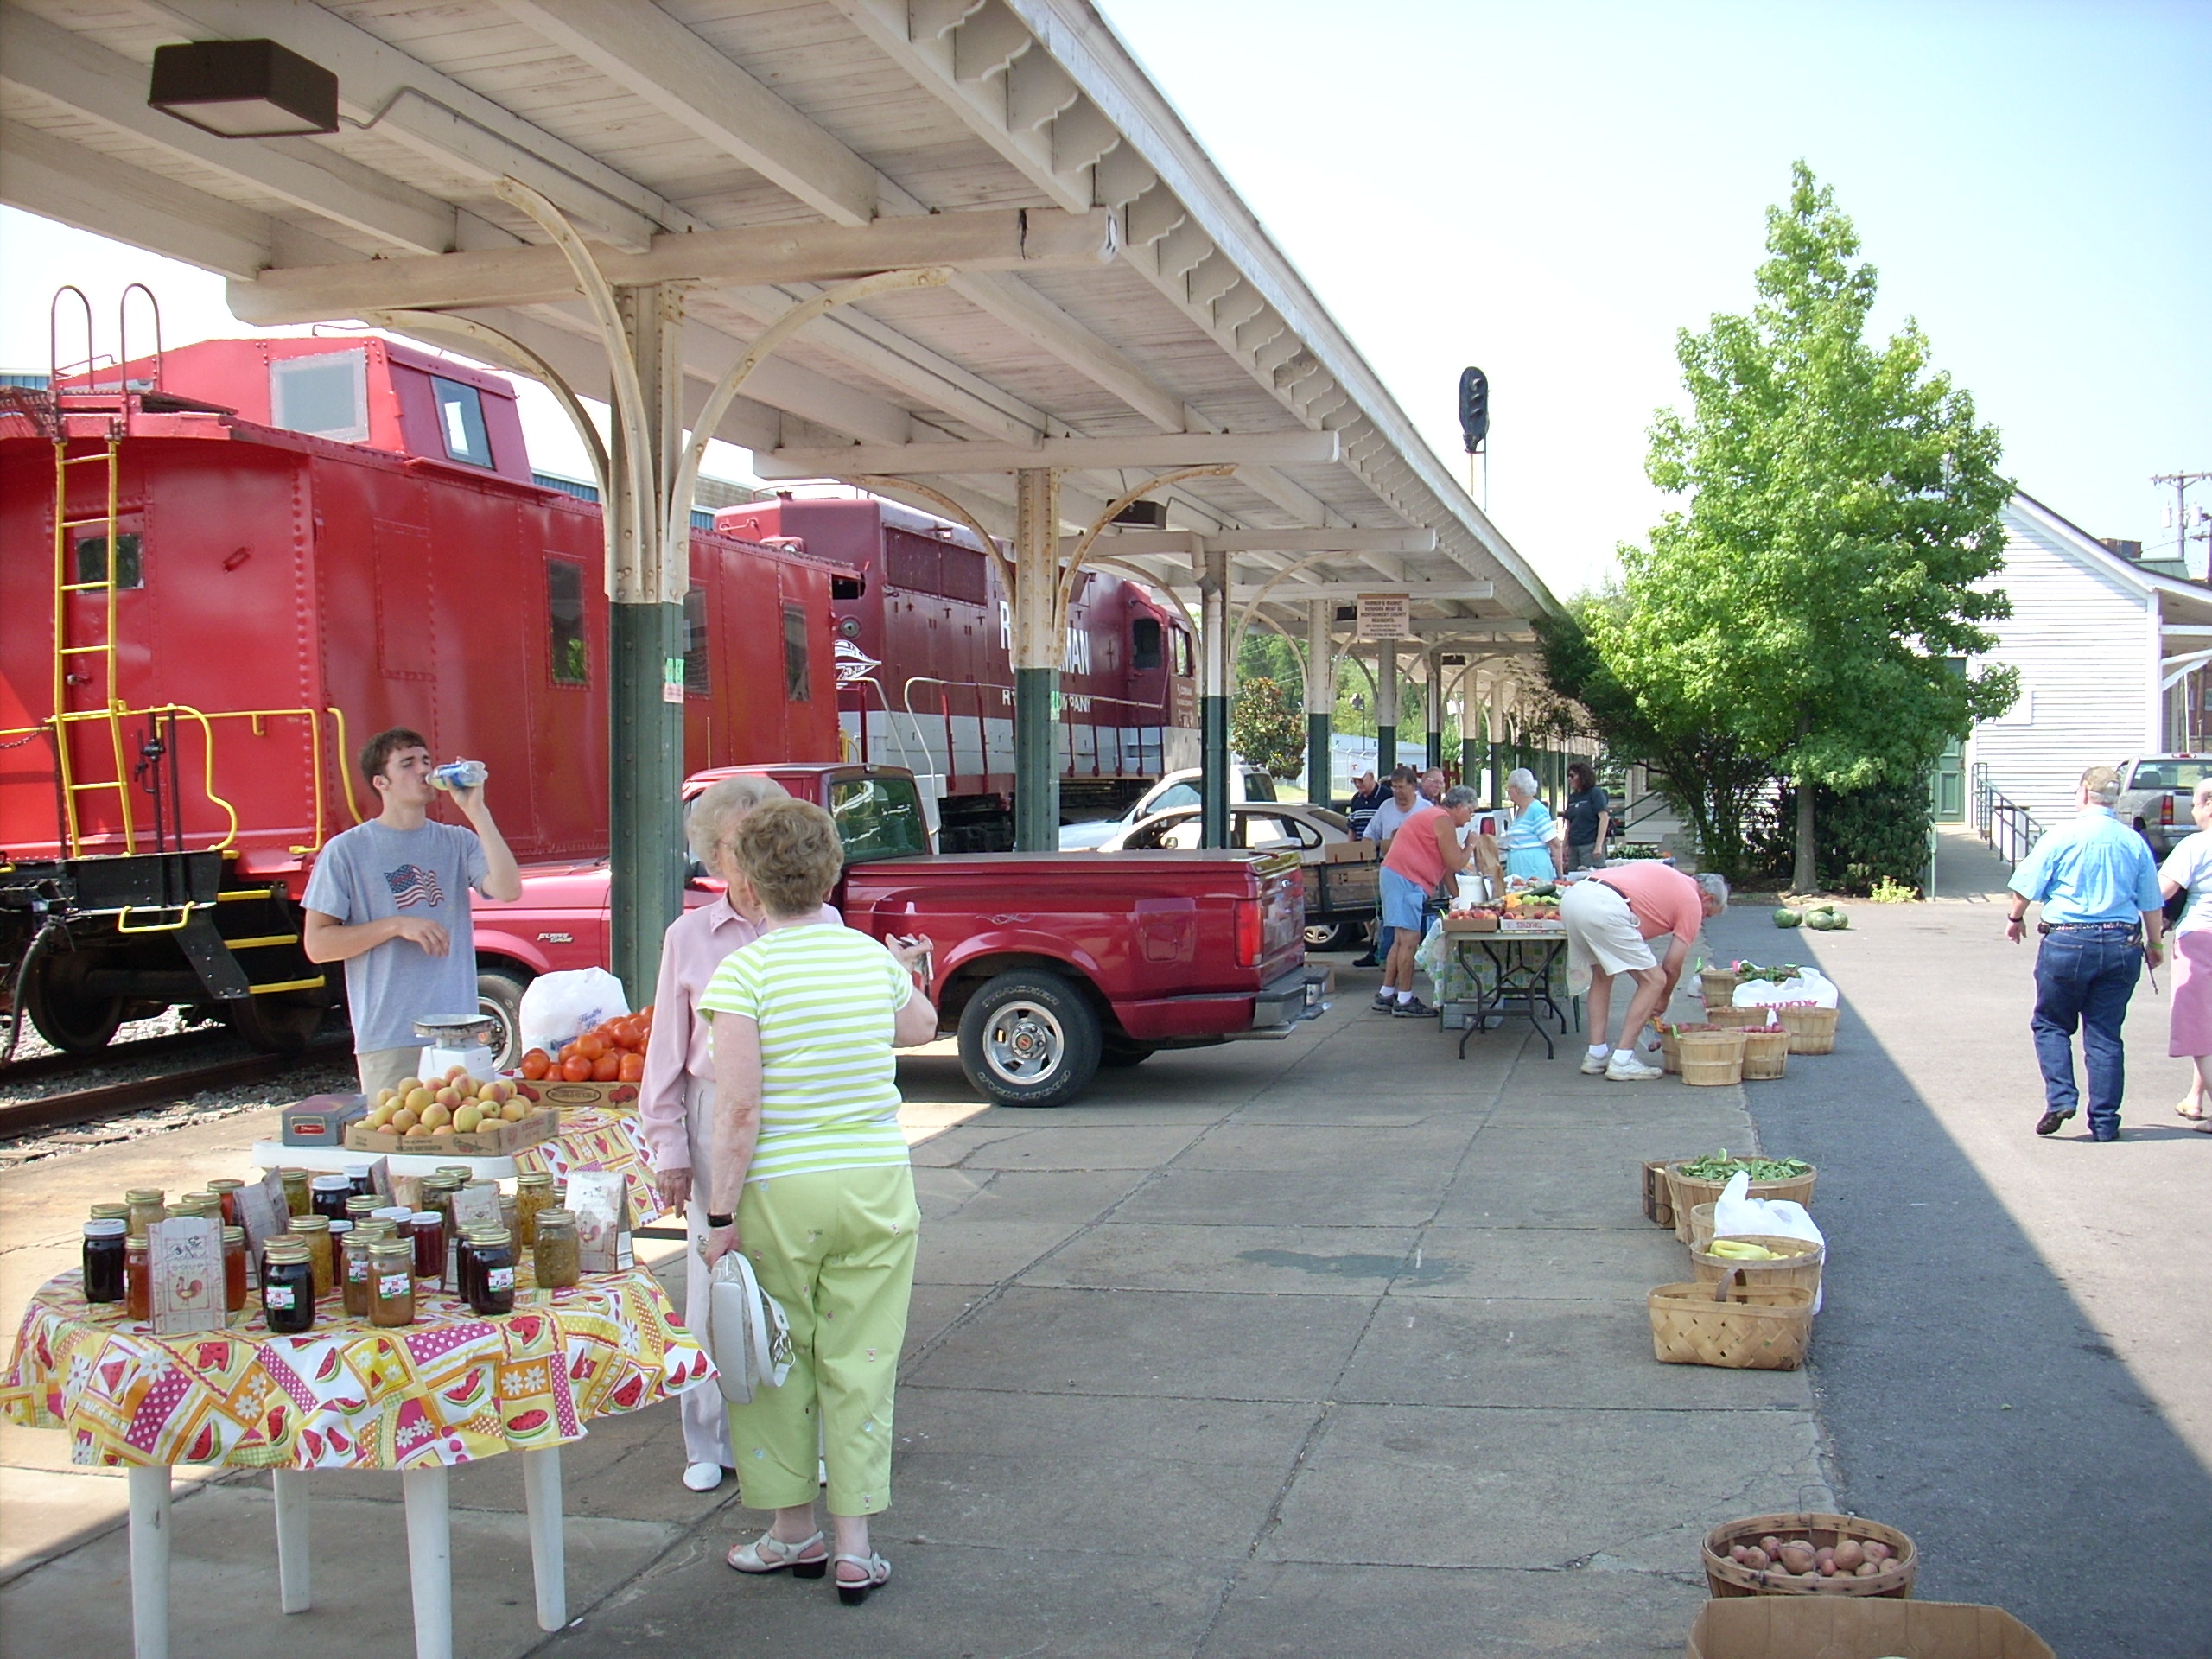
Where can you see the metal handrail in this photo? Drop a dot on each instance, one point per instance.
(1158, 730)
(2009, 828)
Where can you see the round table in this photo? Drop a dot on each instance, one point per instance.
(450, 1388)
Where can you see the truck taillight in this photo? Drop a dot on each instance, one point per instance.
(2166, 809)
(1249, 932)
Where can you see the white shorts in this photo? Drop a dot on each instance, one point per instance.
(1601, 932)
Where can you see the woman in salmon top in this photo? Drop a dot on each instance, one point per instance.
(1425, 850)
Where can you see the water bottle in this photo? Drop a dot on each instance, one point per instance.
(459, 774)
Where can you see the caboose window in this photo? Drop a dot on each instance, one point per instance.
(1183, 654)
(460, 422)
(797, 683)
(564, 604)
(1144, 642)
(698, 677)
(326, 396)
(92, 560)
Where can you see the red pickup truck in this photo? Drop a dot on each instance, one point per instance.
(1048, 965)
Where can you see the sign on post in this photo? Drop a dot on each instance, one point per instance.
(1386, 616)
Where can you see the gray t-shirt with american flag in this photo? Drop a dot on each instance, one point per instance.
(371, 872)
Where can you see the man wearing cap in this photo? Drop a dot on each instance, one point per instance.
(2102, 921)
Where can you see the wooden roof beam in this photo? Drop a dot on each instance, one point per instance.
(1068, 454)
(1298, 542)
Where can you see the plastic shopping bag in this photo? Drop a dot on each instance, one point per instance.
(1442, 964)
(557, 1008)
(1736, 1214)
(748, 1336)
(1811, 986)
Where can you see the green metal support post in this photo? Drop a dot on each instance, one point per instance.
(1320, 703)
(1039, 646)
(1213, 700)
(1386, 709)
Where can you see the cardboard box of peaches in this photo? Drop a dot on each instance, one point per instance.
(453, 1115)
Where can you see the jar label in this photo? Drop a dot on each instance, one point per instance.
(279, 1296)
(393, 1285)
(356, 1271)
(499, 1277)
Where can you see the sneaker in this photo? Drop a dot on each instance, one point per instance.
(1594, 1065)
(1384, 1002)
(1415, 1009)
(1367, 961)
(702, 1477)
(1631, 1069)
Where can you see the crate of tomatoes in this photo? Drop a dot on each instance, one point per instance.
(599, 1067)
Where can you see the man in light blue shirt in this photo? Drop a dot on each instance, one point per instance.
(2102, 919)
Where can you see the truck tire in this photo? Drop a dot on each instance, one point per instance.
(498, 999)
(1336, 935)
(1030, 1039)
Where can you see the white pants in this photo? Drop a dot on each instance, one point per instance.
(706, 1413)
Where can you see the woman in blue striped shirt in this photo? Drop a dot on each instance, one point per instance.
(1525, 844)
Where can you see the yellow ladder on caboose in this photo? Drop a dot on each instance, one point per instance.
(98, 654)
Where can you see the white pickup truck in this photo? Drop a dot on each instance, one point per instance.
(2156, 793)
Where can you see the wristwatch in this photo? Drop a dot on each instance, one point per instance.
(714, 1220)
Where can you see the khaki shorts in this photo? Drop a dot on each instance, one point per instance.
(383, 1068)
(1601, 933)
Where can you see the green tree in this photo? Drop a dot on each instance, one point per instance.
(1266, 725)
(1817, 589)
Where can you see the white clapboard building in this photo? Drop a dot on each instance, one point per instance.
(2112, 651)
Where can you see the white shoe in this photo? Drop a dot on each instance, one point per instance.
(1594, 1065)
(1631, 1069)
(703, 1477)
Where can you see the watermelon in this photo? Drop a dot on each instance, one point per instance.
(1785, 917)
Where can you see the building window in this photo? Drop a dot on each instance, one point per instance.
(698, 677)
(1144, 643)
(326, 396)
(565, 606)
(92, 559)
(797, 683)
(460, 422)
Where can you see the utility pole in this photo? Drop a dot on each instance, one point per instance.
(2180, 481)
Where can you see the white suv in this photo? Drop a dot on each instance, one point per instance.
(1176, 789)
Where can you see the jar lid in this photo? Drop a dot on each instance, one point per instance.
(462, 1170)
(427, 1217)
(490, 1235)
(200, 1197)
(292, 1171)
(109, 1211)
(338, 1227)
(393, 1212)
(329, 1184)
(224, 1184)
(357, 1172)
(535, 1178)
(373, 1232)
(233, 1234)
(555, 1218)
(106, 1227)
(362, 1204)
(145, 1195)
(396, 1248)
(308, 1224)
(286, 1250)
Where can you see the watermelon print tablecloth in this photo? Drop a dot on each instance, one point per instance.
(599, 1138)
(449, 1388)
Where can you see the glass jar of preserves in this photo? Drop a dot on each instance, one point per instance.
(429, 1241)
(327, 1196)
(401, 1216)
(104, 1249)
(361, 1205)
(204, 1204)
(146, 1209)
(110, 1212)
(494, 1250)
(462, 1175)
(533, 1193)
(314, 1233)
(287, 1287)
(392, 1283)
(463, 1283)
(358, 1181)
(299, 1196)
(138, 1278)
(226, 1194)
(233, 1269)
(353, 1251)
(556, 1258)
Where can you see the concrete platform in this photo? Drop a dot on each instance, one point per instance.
(1337, 1346)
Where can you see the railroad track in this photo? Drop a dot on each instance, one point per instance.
(87, 1105)
(32, 1067)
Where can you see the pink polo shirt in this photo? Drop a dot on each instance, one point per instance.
(682, 1044)
(1663, 899)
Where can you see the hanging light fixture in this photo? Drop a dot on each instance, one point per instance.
(243, 89)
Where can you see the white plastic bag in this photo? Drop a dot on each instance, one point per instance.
(557, 1008)
(748, 1336)
(1810, 986)
(1736, 1214)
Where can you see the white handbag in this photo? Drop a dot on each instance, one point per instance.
(748, 1335)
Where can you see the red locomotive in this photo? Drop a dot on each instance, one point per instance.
(924, 679)
(229, 564)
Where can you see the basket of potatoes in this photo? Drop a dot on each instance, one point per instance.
(1809, 1555)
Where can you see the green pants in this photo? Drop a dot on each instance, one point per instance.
(837, 1250)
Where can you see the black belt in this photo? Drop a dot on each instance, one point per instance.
(2129, 928)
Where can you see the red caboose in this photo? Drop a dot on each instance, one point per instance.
(218, 583)
(924, 679)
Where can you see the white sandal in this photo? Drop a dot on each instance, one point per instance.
(854, 1593)
(769, 1553)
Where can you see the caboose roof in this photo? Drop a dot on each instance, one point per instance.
(825, 124)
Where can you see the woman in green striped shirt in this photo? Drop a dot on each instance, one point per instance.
(810, 1179)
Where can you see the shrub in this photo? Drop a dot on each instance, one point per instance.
(1867, 837)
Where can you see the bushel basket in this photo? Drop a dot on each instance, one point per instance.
(1724, 1576)
(1800, 1265)
(1691, 1191)
(1718, 986)
(1766, 1053)
(1712, 1058)
(1726, 1325)
(1812, 1031)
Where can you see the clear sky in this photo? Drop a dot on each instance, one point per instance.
(1551, 190)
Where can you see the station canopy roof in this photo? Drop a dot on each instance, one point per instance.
(1116, 308)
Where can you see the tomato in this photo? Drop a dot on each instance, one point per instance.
(536, 1064)
(605, 1068)
(577, 1069)
(590, 1045)
(633, 1069)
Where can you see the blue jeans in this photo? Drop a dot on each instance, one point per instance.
(2085, 976)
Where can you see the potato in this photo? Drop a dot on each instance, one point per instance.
(1755, 1558)
(1772, 1545)
(1868, 1569)
(1825, 1552)
(1829, 1569)
(1736, 1554)
(1876, 1550)
(1849, 1557)
(1797, 1556)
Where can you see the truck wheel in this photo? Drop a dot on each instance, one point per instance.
(72, 1021)
(1030, 1039)
(1338, 936)
(498, 999)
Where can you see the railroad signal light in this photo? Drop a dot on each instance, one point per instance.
(1474, 408)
